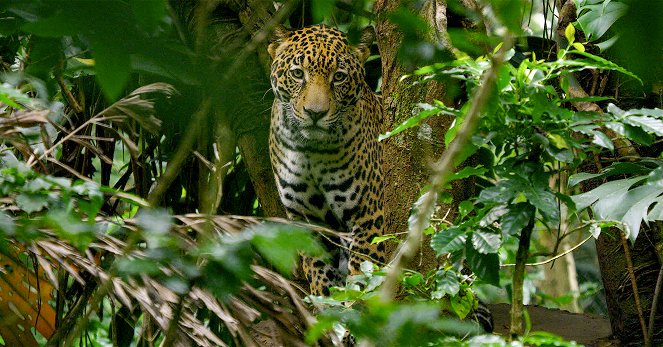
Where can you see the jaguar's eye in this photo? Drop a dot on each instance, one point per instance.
(340, 76)
(297, 73)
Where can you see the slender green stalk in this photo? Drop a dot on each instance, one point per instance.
(518, 280)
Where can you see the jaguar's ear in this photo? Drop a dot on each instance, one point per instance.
(279, 35)
(365, 42)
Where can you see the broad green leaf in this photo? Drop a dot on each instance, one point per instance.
(281, 245)
(112, 66)
(31, 202)
(603, 140)
(447, 282)
(486, 266)
(656, 212)
(586, 199)
(322, 9)
(501, 193)
(149, 13)
(462, 304)
(625, 168)
(648, 124)
(486, 242)
(544, 201)
(639, 199)
(449, 240)
(578, 46)
(413, 280)
(518, 217)
(599, 18)
(632, 133)
(465, 207)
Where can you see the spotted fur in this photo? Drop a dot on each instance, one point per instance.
(323, 144)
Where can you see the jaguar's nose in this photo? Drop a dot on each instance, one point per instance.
(315, 115)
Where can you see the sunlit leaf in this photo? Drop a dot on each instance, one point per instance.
(597, 19)
(486, 242)
(448, 241)
(518, 217)
(281, 245)
(447, 282)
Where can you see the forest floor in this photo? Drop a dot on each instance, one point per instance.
(585, 329)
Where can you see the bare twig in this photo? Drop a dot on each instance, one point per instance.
(555, 257)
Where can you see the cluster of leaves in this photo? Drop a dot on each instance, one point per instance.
(60, 219)
(527, 129)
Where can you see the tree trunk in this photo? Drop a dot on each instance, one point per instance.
(408, 154)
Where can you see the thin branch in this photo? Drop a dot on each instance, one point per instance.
(555, 257)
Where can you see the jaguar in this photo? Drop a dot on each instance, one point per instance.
(323, 145)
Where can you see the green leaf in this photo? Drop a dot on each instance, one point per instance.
(586, 199)
(413, 279)
(281, 245)
(449, 240)
(427, 110)
(447, 282)
(581, 176)
(31, 202)
(578, 46)
(648, 124)
(599, 18)
(112, 66)
(322, 9)
(465, 207)
(518, 217)
(485, 266)
(379, 239)
(570, 33)
(7, 225)
(486, 242)
(462, 304)
(501, 193)
(468, 171)
(632, 133)
(604, 64)
(603, 140)
(544, 201)
(149, 13)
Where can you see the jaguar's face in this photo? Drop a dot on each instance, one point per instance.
(318, 79)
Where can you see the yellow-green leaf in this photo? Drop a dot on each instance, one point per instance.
(578, 46)
(570, 33)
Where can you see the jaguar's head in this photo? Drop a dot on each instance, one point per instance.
(318, 77)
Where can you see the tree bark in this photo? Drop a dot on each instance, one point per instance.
(408, 155)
